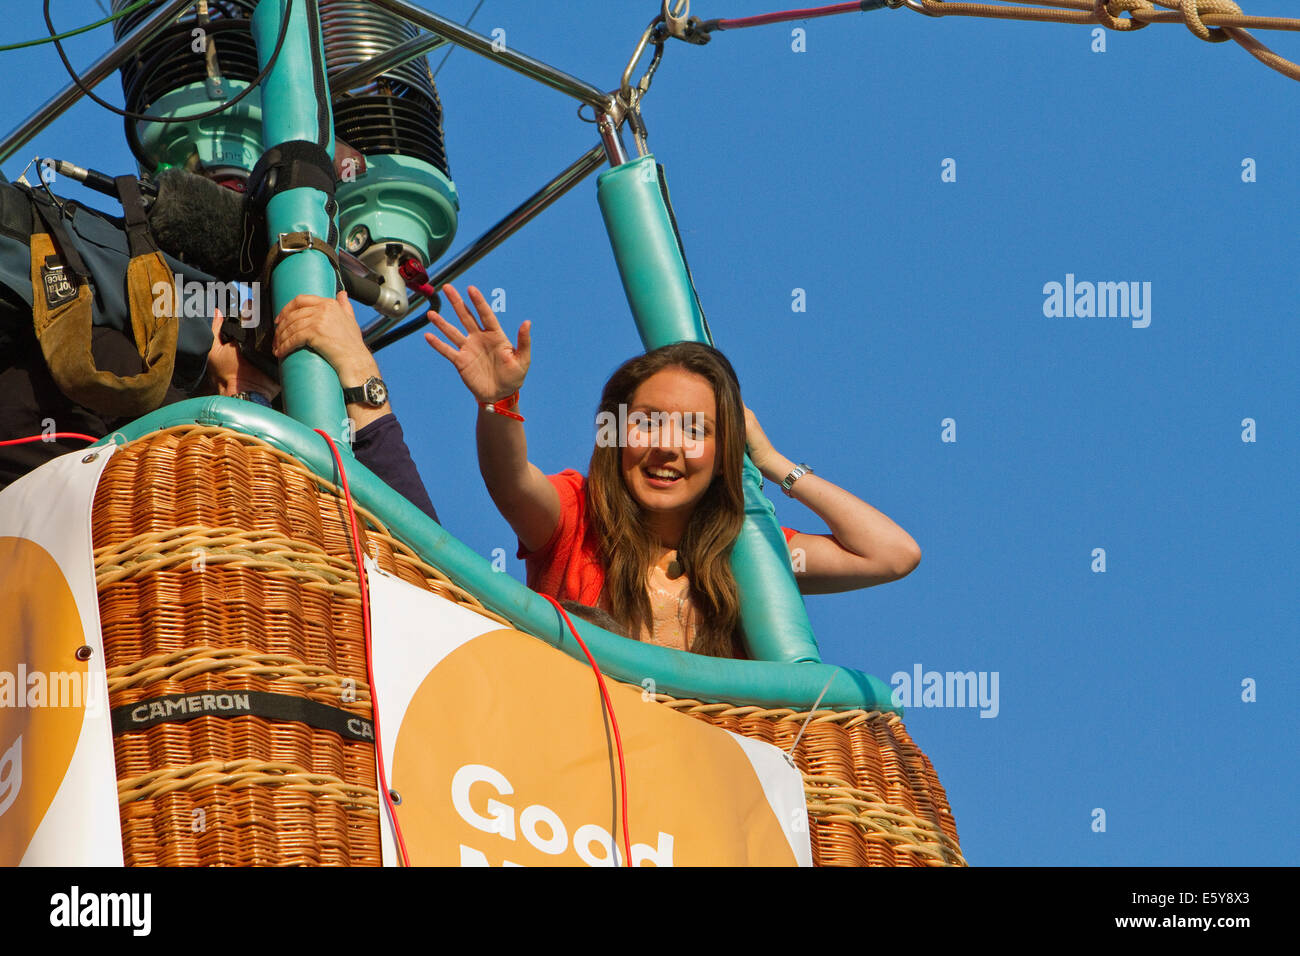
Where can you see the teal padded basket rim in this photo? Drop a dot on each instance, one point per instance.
(680, 674)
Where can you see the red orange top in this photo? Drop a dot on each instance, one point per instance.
(568, 567)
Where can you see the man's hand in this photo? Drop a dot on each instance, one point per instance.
(329, 328)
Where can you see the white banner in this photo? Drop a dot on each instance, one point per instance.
(58, 785)
(497, 749)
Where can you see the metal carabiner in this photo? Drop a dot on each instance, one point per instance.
(625, 85)
(676, 22)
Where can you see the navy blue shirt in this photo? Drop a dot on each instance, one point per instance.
(381, 447)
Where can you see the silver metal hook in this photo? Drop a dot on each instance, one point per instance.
(676, 22)
(912, 4)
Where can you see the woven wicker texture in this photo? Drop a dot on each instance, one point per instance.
(873, 796)
(223, 565)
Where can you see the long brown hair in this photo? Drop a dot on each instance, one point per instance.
(626, 544)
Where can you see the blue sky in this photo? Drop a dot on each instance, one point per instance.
(821, 170)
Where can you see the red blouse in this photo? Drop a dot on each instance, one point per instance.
(568, 566)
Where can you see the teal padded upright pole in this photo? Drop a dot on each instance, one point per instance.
(654, 273)
(666, 310)
(296, 106)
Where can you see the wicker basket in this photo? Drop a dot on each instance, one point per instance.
(225, 566)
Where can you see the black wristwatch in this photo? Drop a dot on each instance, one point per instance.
(257, 398)
(372, 392)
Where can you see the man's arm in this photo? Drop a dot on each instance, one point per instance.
(329, 328)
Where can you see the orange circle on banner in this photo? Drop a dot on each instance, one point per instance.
(40, 679)
(503, 758)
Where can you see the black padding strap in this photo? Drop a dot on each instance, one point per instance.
(139, 238)
(175, 708)
(15, 212)
(292, 164)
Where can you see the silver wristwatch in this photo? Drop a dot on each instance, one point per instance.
(372, 392)
(790, 479)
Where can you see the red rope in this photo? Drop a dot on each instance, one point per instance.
(49, 437)
(365, 623)
(786, 15)
(370, 668)
(609, 707)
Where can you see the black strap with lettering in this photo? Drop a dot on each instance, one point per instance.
(176, 708)
(48, 218)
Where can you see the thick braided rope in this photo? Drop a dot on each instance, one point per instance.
(190, 537)
(248, 773)
(260, 550)
(233, 662)
(1226, 20)
(834, 801)
(1192, 10)
(1107, 13)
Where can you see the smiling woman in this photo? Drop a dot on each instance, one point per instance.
(646, 536)
(665, 507)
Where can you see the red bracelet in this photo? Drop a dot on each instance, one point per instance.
(505, 406)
